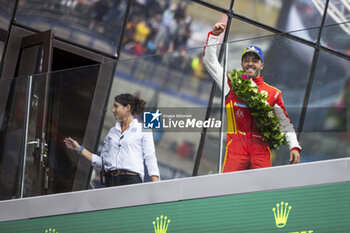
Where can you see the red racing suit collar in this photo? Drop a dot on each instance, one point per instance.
(259, 80)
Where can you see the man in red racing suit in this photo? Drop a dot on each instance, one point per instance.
(245, 148)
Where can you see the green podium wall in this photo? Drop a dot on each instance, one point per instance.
(202, 204)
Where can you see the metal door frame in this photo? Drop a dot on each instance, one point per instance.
(45, 39)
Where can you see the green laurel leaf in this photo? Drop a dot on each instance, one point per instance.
(267, 123)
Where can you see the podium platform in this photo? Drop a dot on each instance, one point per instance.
(310, 197)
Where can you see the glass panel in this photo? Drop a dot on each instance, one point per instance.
(338, 12)
(287, 64)
(6, 11)
(209, 163)
(34, 161)
(94, 24)
(31, 60)
(23, 125)
(49, 167)
(2, 45)
(223, 3)
(178, 86)
(70, 100)
(287, 67)
(336, 33)
(337, 37)
(285, 15)
(11, 137)
(240, 30)
(155, 27)
(326, 134)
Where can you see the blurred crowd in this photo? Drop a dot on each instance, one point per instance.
(156, 26)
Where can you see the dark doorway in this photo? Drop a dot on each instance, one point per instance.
(63, 60)
(72, 84)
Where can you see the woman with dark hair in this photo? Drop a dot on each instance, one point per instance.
(126, 147)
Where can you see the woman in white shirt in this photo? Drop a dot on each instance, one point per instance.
(126, 147)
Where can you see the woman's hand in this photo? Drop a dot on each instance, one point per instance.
(74, 145)
(71, 144)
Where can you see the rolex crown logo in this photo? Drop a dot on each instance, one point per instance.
(281, 213)
(50, 230)
(161, 225)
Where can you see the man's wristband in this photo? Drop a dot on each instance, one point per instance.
(211, 33)
(80, 149)
(296, 148)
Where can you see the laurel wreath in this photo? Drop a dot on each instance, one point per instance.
(265, 119)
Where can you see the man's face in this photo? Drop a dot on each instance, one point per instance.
(252, 65)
